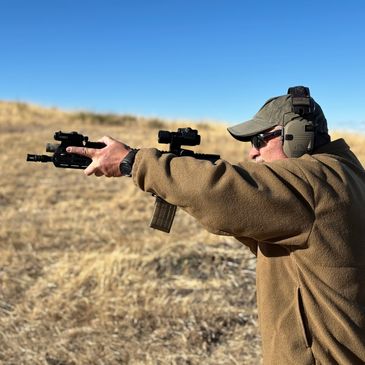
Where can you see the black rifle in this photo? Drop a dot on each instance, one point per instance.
(60, 157)
(164, 212)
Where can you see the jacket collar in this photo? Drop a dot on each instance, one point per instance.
(337, 147)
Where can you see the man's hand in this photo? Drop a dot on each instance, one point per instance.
(106, 160)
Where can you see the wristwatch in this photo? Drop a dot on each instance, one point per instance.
(126, 165)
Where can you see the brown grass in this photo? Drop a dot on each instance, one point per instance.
(84, 280)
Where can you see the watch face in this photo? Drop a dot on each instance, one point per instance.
(125, 168)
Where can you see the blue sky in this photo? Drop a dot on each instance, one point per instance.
(184, 59)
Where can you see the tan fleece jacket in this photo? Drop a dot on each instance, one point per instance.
(304, 219)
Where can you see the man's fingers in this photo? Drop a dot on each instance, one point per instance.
(83, 151)
(91, 169)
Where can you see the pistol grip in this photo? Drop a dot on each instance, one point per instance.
(163, 215)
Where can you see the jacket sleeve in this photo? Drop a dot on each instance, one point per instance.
(263, 202)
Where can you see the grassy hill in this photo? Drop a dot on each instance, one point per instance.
(83, 278)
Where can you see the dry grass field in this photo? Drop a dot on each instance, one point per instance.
(84, 280)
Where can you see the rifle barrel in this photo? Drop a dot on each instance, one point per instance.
(39, 158)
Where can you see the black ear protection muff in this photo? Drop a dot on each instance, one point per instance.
(298, 134)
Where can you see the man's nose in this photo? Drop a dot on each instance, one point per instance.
(254, 152)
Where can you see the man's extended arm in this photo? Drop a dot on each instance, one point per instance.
(269, 203)
(265, 202)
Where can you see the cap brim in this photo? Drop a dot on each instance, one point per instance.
(244, 131)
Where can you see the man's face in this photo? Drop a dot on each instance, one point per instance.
(271, 148)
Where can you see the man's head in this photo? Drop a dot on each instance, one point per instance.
(267, 146)
(303, 125)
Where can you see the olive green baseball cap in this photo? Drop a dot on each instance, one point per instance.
(276, 111)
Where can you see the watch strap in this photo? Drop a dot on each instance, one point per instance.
(126, 165)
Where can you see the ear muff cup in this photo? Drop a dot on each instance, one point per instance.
(298, 137)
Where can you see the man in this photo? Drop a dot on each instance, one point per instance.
(300, 209)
